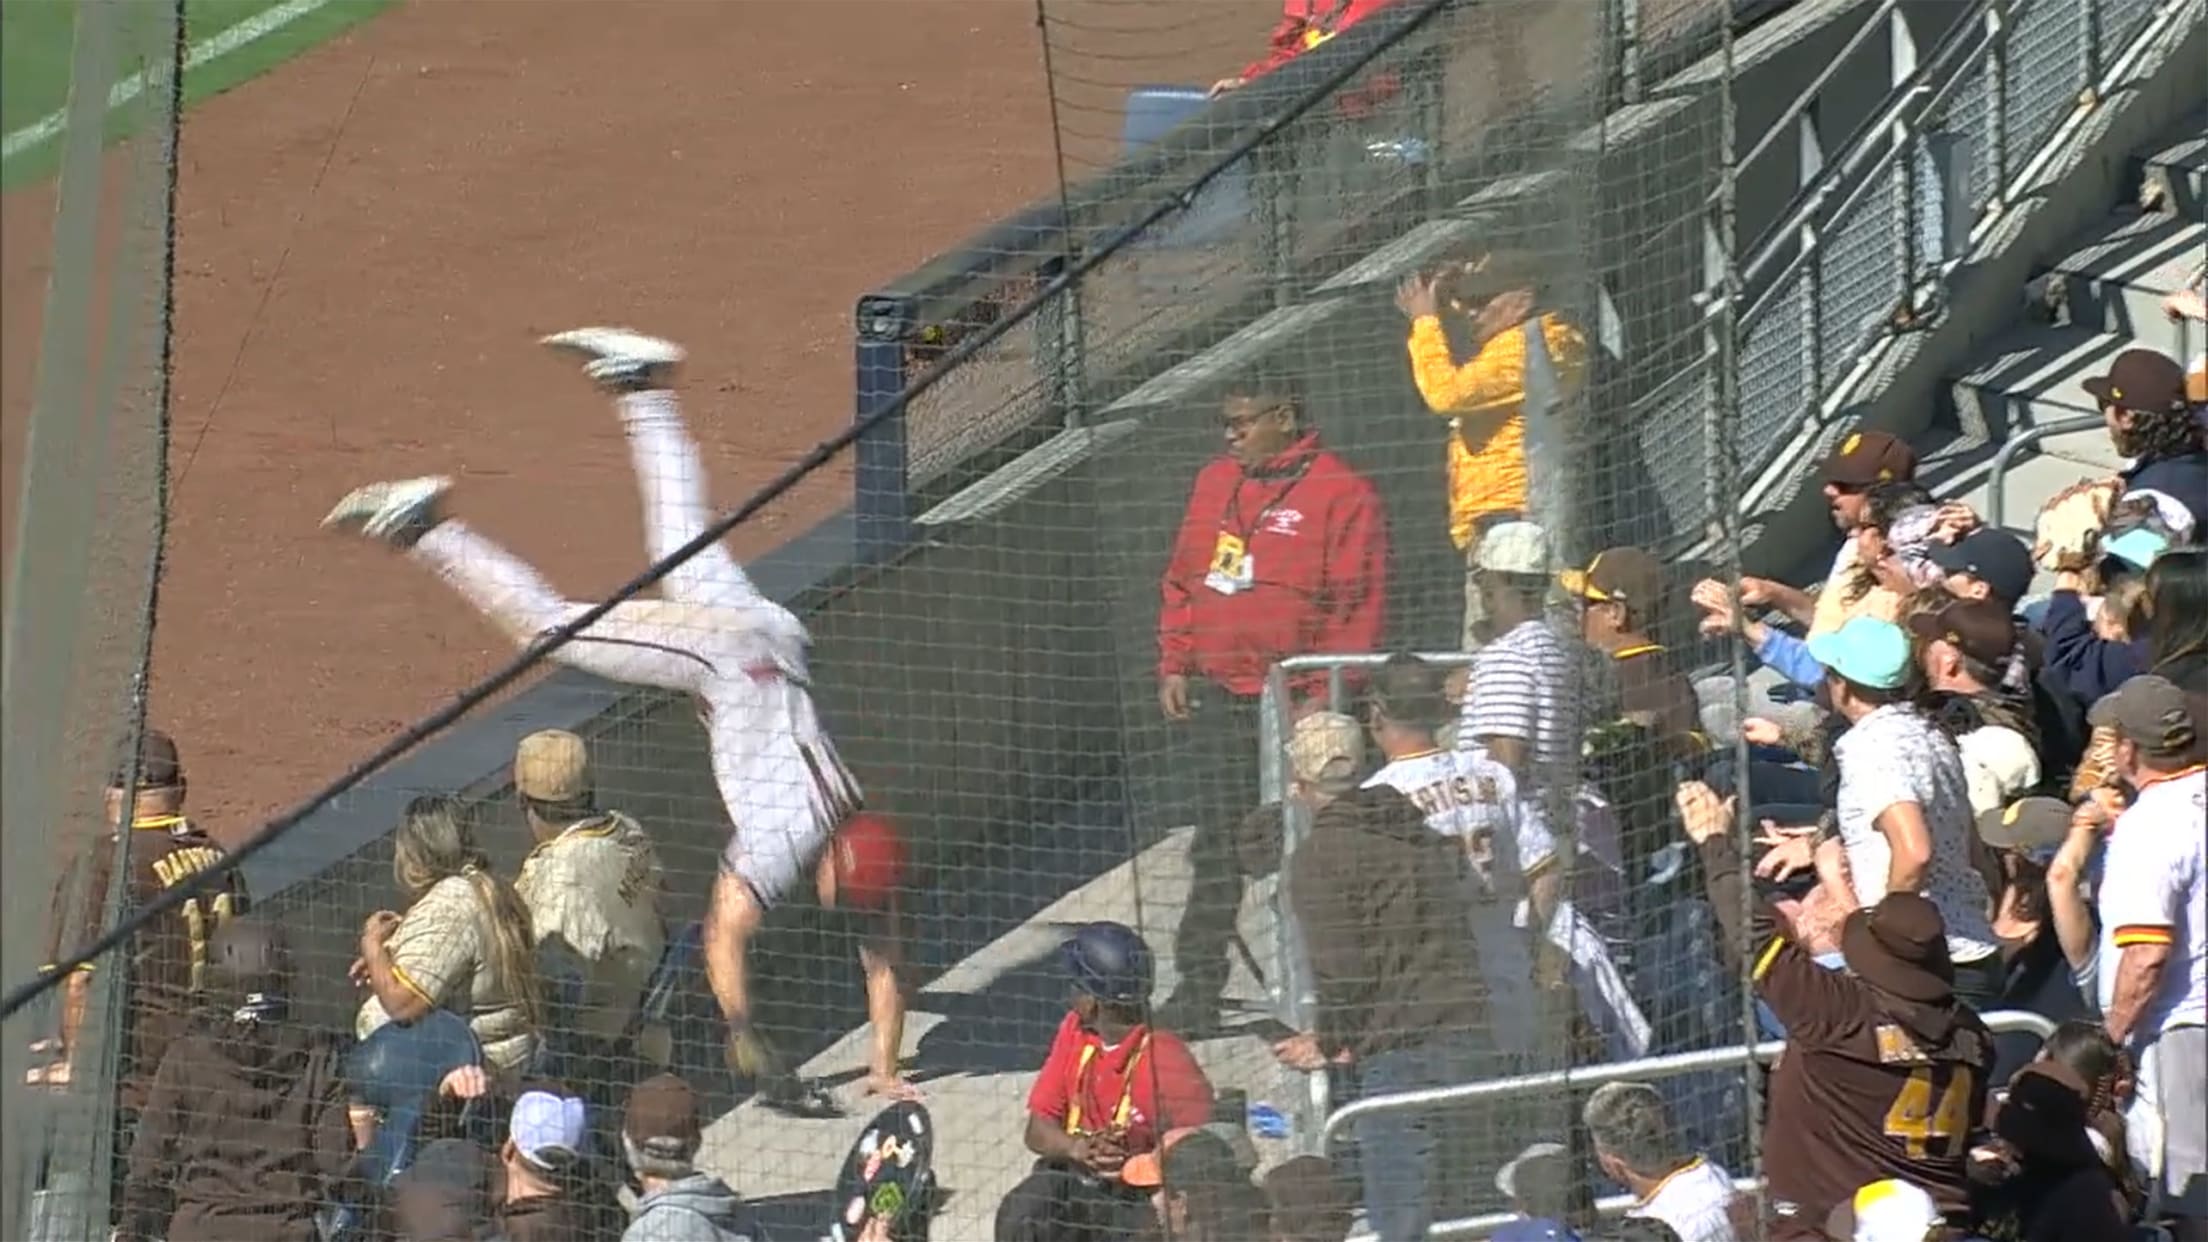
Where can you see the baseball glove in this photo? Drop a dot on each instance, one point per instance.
(2067, 534)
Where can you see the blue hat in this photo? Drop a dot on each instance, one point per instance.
(1110, 962)
(2137, 547)
(1866, 651)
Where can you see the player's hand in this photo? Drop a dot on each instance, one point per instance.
(358, 972)
(1704, 815)
(876, 1229)
(1223, 85)
(1173, 696)
(1761, 732)
(1416, 297)
(379, 926)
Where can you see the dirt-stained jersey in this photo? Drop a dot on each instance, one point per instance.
(596, 887)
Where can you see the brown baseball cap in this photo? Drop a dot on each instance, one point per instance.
(552, 765)
(662, 1118)
(2151, 713)
(1627, 576)
(158, 765)
(1868, 457)
(1982, 629)
(2141, 379)
(2034, 827)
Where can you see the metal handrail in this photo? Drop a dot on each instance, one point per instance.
(1885, 148)
(1996, 501)
(1647, 1069)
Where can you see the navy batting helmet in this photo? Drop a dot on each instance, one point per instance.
(1110, 962)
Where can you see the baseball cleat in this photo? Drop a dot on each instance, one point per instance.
(393, 511)
(620, 359)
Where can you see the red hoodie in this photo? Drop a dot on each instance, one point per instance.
(1305, 24)
(1316, 539)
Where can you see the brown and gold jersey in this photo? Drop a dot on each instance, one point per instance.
(1867, 1089)
(168, 957)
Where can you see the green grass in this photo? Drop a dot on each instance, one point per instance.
(35, 56)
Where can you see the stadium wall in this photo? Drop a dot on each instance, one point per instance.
(991, 678)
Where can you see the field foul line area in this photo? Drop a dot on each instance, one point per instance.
(212, 48)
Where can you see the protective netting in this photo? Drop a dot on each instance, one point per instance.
(1118, 653)
(84, 546)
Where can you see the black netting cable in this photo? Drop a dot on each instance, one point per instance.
(815, 458)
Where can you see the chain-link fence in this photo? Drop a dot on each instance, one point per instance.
(84, 547)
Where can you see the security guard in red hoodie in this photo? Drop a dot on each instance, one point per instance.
(1283, 551)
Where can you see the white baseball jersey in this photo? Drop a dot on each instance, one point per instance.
(597, 888)
(712, 635)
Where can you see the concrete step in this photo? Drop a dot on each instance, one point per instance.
(2173, 170)
(2115, 277)
(2033, 376)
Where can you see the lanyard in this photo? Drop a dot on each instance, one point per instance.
(1126, 1090)
(1230, 516)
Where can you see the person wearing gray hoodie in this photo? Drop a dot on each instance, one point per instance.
(659, 1138)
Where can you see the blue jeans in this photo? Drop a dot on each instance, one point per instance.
(396, 1071)
(1399, 1153)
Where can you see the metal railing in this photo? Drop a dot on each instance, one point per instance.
(1293, 990)
(1997, 505)
(1877, 232)
(1647, 1069)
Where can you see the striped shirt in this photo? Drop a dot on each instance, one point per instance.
(1522, 688)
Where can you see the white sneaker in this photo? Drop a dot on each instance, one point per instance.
(620, 359)
(391, 510)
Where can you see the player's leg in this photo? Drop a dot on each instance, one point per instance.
(640, 642)
(638, 371)
(882, 959)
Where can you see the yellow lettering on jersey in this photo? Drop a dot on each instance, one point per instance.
(177, 864)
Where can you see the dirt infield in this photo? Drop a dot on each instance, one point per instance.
(372, 236)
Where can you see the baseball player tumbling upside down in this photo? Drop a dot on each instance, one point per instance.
(714, 636)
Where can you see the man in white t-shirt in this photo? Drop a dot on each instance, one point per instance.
(1903, 810)
(2154, 997)
(1638, 1148)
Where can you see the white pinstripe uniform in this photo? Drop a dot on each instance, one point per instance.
(711, 635)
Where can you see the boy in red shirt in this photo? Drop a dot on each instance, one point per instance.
(1109, 1087)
